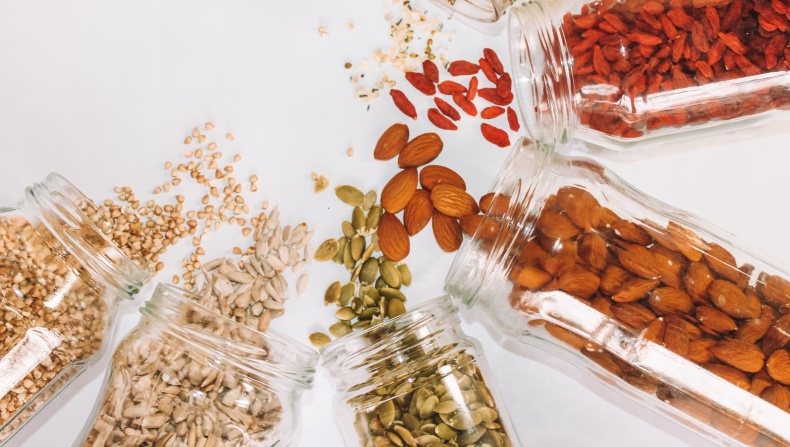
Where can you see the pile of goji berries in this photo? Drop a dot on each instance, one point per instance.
(638, 50)
(444, 114)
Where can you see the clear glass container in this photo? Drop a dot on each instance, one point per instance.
(654, 302)
(186, 376)
(623, 73)
(483, 11)
(416, 380)
(61, 282)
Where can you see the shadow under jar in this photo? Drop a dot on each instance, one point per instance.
(619, 73)
(416, 380)
(658, 304)
(186, 376)
(61, 282)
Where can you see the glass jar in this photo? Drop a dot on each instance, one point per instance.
(484, 11)
(416, 379)
(657, 303)
(618, 73)
(61, 282)
(188, 376)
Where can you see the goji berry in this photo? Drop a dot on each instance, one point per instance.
(491, 112)
(653, 8)
(491, 95)
(450, 87)
(470, 95)
(512, 120)
(430, 70)
(495, 135)
(466, 105)
(421, 83)
(504, 85)
(493, 59)
(462, 68)
(447, 109)
(487, 70)
(403, 104)
(439, 120)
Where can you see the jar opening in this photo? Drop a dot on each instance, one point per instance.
(479, 12)
(58, 204)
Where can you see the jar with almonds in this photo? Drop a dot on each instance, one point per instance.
(188, 376)
(61, 282)
(654, 302)
(416, 380)
(622, 73)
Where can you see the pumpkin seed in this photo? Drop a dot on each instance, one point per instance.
(348, 260)
(341, 248)
(369, 271)
(357, 247)
(395, 308)
(350, 195)
(370, 200)
(380, 283)
(405, 274)
(319, 339)
(389, 273)
(372, 220)
(340, 329)
(346, 293)
(327, 250)
(386, 413)
(446, 407)
(392, 293)
(471, 436)
(487, 414)
(348, 229)
(332, 293)
(358, 218)
(405, 434)
(345, 314)
(445, 432)
(361, 324)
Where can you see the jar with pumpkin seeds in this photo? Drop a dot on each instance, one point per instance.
(416, 380)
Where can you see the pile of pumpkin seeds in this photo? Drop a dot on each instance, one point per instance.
(373, 292)
(447, 404)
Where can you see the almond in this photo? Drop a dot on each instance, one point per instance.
(777, 291)
(633, 314)
(593, 249)
(696, 281)
(676, 337)
(399, 190)
(422, 150)
(607, 218)
(778, 366)
(532, 254)
(613, 278)
(391, 142)
(668, 300)
(433, 175)
(655, 332)
(635, 289)
(393, 238)
(777, 395)
(418, 212)
(580, 206)
(739, 354)
(556, 226)
(564, 335)
(447, 231)
(671, 264)
(532, 278)
(602, 305)
(558, 264)
(755, 329)
(631, 232)
(729, 374)
(777, 336)
(686, 241)
(639, 261)
(498, 204)
(729, 298)
(453, 201)
(700, 350)
(715, 319)
(722, 262)
(485, 227)
(579, 282)
(761, 382)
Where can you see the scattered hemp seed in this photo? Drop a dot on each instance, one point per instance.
(188, 140)
(350, 25)
(322, 31)
(209, 125)
(350, 152)
(230, 137)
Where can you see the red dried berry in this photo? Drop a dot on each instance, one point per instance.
(491, 112)
(493, 59)
(421, 83)
(439, 120)
(470, 95)
(431, 71)
(504, 86)
(466, 105)
(487, 70)
(462, 68)
(447, 109)
(491, 95)
(495, 135)
(450, 87)
(403, 104)
(512, 120)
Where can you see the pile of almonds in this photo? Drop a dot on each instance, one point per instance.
(664, 283)
(444, 114)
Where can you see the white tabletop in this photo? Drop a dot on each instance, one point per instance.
(105, 92)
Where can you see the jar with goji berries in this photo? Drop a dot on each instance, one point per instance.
(416, 379)
(618, 73)
(61, 281)
(658, 304)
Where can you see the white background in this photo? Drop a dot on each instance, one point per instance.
(105, 92)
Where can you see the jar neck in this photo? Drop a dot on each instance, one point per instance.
(55, 203)
(520, 189)
(479, 12)
(542, 68)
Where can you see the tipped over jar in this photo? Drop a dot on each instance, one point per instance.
(654, 302)
(416, 380)
(61, 282)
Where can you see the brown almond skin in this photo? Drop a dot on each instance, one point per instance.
(699, 350)
(393, 238)
(564, 335)
(631, 232)
(391, 142)
(715, 319)
(722, 262)
(532, 278)
(603, 359)
(532, 254)
(613, 278)
(778, 366)
(729, 374)
(655, 332)
(556, 226)
(593, 249)
(761, 382)
(602, 305)
(671, 264)
(668, 300)
(635, 289)
(579, 282)
(686, 241)
(453, 201)
(399, 190)
(696, 281)
(580, 206)
(754, 329)
(496, 204)
(732, 301)
(739, 354)
(777, 395)
(486, 227)
(777, 335)
(422, 150)
(434, 175)
(447, 231)
(633, 314)
(418, 212)
(777, 291)
(639, 261)
(676, 337)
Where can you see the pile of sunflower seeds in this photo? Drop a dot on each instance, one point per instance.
(373, 292)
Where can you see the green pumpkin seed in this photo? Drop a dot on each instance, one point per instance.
(341, 248)
(392, 293)
(395, 308)
(370, 200)
(367, 253)
(471, 436)
(362, 324)
(374, 241)
(405, 274)
(426, 409)
(369, 271)
(368, 313)
(446, 407)
(345, 314)
(427, 440)
(395, 439)
(463, 420)
(319, 339)
(350, 195)
(327, 250)
(411, 422)
(332, 293)
(386, 413)
(487, 414)
(348, 260)
(389, 273)
(340, 329)
(404, 433)
(358, 218)
(372, 293)
(357, 247)
(380, 283)
(372, 220)
(383, 307)
(346, 293)
(445, 432)
(356, 272)
(348, 229)
(356, 305)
